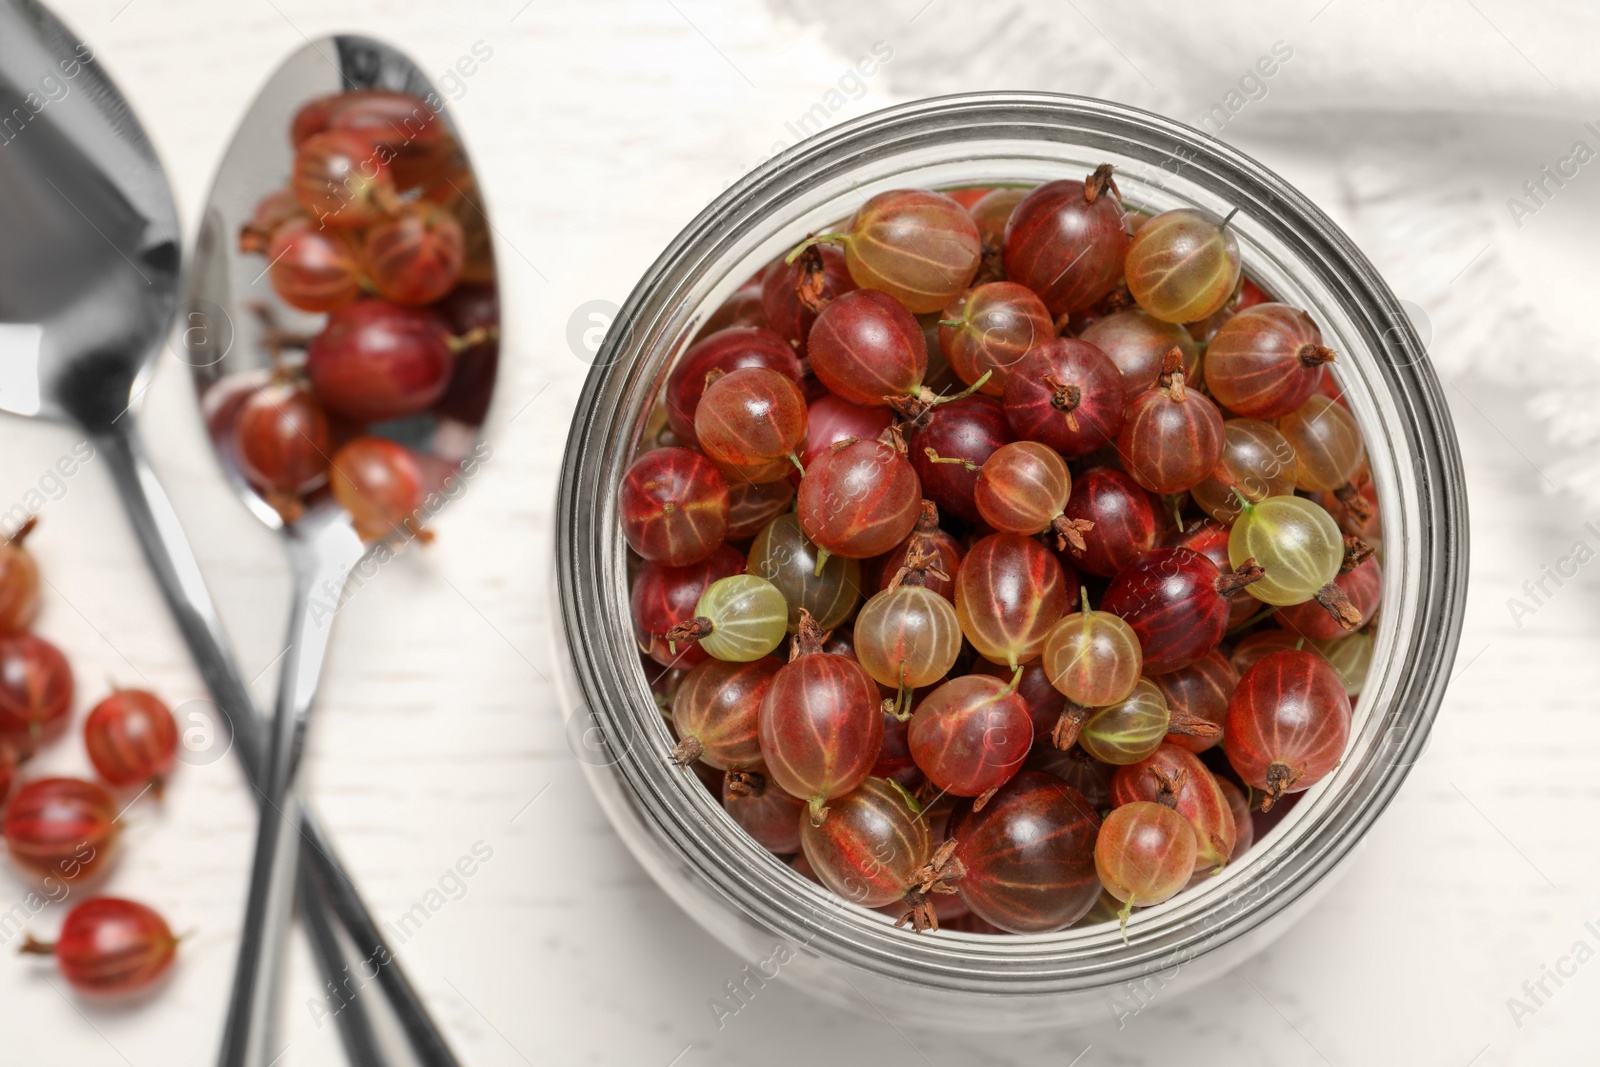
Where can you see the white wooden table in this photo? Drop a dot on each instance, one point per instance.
(600, 128)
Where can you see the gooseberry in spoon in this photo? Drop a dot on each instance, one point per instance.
(1287, 725)
(821, 723)
(416, 256)
(1010, 591)
(109, 945)
(375, 361)
(673, 506)
(1067, 241)
(739, 618)
(1172, 437)
(1183, 265)
(282, 442)
(19, 581)
(920, 247)
(132, 739)
(64, 828)
(1175, 777)
(1177, 602)
(384, 488)
(716, 713)
(342, 180)
(313, 268)
(971, 735)
(1067, 394)
(1266, 361)
(1145, 853)
(1027, 858)
(988, 329)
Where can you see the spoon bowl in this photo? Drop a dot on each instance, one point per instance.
(231, 331)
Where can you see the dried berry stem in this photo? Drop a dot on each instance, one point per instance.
(1069, 725)
(1069, 533)
(1171, 380)
(744, 783)
(1311, 355)
(1344, 613)
(687, 751)
(1065, 398)
(687, 632)
(1190, 726)
(1096, 184)
(808, 637)
(810, 284)
(1356, 552)
(939, 875)
(1280, 778)
(1245, 574)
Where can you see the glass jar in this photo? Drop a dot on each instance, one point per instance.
(752, 901)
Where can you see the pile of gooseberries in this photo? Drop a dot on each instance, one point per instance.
(1001, 556)
(62, 832)
(379, 237)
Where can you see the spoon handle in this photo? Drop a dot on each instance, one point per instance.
(178, 575)
(321, 556)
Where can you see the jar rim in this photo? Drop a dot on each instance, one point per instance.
(1399, 398)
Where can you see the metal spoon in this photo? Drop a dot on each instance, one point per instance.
(90, 263)
(322, 543)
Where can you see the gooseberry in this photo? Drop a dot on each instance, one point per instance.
(35, 690)
(988, 329)
(734, 348)
(416, 256)
(282, 442)
(971, 735)
(1066, 240)
(859, 499)
(1027, 858)
(1067, 394)
(751, 416)
(1172, 437)
(1123, 517)
(716, 711)
(1138, 343)
(970, 429)
(1287, 724)
(908, 636)
(791, 294)
(63, 828)
(383, 487)
(821, 724)
(920, 247)
(1145, 853)
(1299, 546)
(109, 945)
(1327, 444)
(19, 581)
(1010, 591)
(739, 618)
(1199, 691)
(664, 597)
(1127, 731)
(783, 555)
(313, 268)
(1266, 361)
(375, 361)
(872, 847)
(1175, 777)
(673, 506)
(342, 181)
(1177, 602)
(1183, 265)
(1257, 462)
(765, 812)
(132, 739)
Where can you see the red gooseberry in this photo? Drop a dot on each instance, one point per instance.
(1123, 518)
(725, 350)
(1145, 853)
(63, 828)
(716, 711)
(132, 739)
(970, 430)
(1176, 600)
(1175, 777)
(1266, 361)
(988, 329)
(673, 506)
(971, 735)
(1028, 856)
(19, 580)
(1067, 394)
(415, 257)
(375, 361)
(383, 487)
(1172, 437)
(821, 723)
(1287, 724)
(312, 268)
(342, 181)
(791, 294)
(1066, 240)
(35, 690)
(859, 499)
(665, 597)
(110, 946)
(1009, 593)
